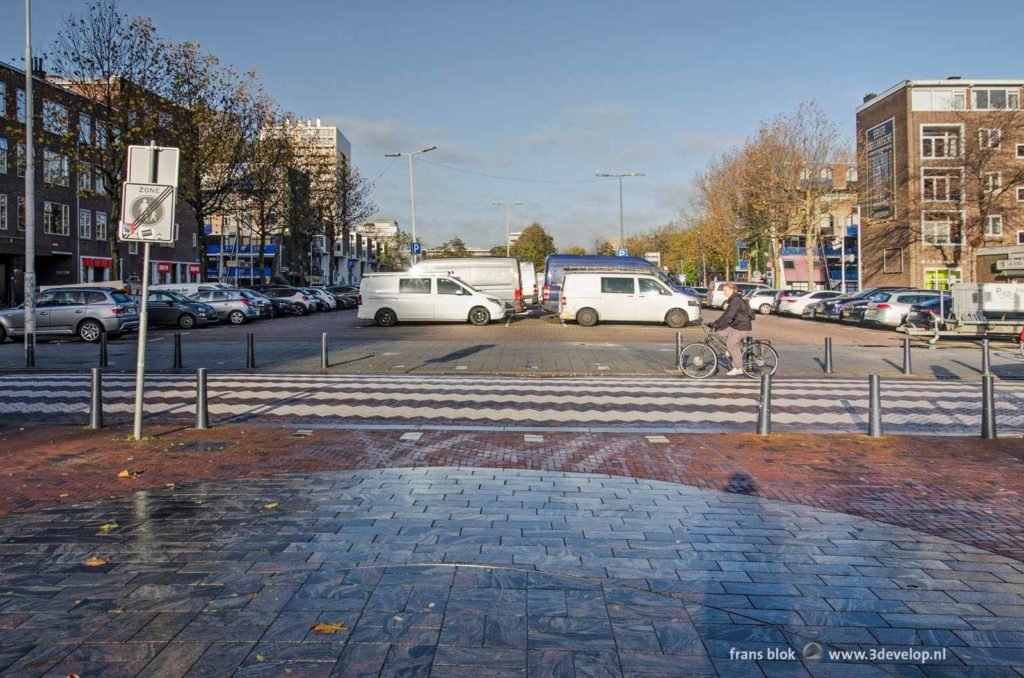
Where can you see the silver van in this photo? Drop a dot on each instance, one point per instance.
(495, 276)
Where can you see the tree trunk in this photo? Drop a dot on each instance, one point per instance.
(262, 256)
(809, 244)
(200, 216)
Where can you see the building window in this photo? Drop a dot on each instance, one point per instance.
(892, 260)
(84, 128)
(940, 141)
(195, 240)
(19, 161)
(55, 168)
(938, 99)
(3, 156)
(941, 278)
(21, 106)
(851, 175)
(101, 136)
(826, 173)
(55, 218)
(84, 179)
(996, 99)
(991, 182)
(101, 225)
(1020, 237)
(165, 120)
(3, 99)
(990, 138)
(99, 185)
(942, 228)
(133, 247)
(3, 212)
(941, 184)
(85, 224)
(21, 214)
(1020, 194)
(55, 117)
(994, 225)
(1020, 151)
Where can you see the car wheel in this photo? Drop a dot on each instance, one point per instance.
(3, 334)
(236, 317)
(386, 317)
(304, 310)
(479, 316)
(90, 330)
(676, 318)
(587, 317)
(765, 309)
(186, 321)
(724, 305)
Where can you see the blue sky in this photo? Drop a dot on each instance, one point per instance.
(557, 90)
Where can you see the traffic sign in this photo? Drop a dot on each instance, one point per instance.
(622, 253)
(147, 213)
(141, 165)
(416, 248)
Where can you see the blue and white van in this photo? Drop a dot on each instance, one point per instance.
(557, 265)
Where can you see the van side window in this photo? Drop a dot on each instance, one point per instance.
(414, 286)
(617, 286)
(445, 286)
(651, 287)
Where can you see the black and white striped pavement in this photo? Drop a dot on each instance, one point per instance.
(667, 404)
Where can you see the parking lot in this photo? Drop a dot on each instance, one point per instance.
(534, 344)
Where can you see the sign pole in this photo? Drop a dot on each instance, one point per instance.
(140, 364)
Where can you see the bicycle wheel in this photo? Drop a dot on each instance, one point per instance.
(698, 361)
(758, 359)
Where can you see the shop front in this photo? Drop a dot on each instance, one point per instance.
(95, 269)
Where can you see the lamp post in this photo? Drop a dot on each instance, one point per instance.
(508, 231)
(30, 200)
(622, 229)
(412, 195)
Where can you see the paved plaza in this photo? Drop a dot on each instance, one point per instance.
(458, 571)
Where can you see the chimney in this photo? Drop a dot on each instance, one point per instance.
(37, 67)
(869, 96)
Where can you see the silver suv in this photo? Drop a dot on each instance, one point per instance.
(87, 312)
(232, 305)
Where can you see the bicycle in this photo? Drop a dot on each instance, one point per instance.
(700, 360)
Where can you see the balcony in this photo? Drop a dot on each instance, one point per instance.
(268, 250)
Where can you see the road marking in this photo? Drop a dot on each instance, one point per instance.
(411, 436)
(657, 439)
(533, 438)
(460, 367)
(157, 339)
(508, 322)
(303, 433)
(397, 367)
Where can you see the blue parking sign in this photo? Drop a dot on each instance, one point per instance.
(622, 253)
(416, 248)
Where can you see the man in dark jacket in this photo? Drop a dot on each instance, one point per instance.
(735, 326)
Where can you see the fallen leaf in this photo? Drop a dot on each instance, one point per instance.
(63, 495)
(328, 629)
(124, 474)
(259, 657)
(94, 561)
(169, 486)
(72, 675)
(271, 505)
(108, 527)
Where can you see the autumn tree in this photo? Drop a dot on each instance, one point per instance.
(575, 250)
(534, 244)
(453, 248)
(396, 252)
(353, 204)
(116, 62)
(603, 248)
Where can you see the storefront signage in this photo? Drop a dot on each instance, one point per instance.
(881, 175)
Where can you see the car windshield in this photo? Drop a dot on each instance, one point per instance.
(180, 298)
(121, 297)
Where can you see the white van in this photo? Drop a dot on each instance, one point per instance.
(496, 276)
(589, 298)
(389, 298)
(191, 289)
(531, 290)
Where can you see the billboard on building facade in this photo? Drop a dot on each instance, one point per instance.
(881, 175)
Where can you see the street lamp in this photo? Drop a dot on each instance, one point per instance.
(622, 229)
(30, 200)
(508, 232)
(412, 195)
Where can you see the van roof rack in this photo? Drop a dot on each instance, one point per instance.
(643, 270)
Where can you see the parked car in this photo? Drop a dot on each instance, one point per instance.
(831, 308)
(716, 293)
(762, 300)
(283, 307)
(853, 311)
(190, 289)
(171, 308)
(390, 298)
(328, 301)
(557, 265)
(700, 292)
(929, 313)
(262, 301)
(231, 305)
(87, 313)
(293, 294)
(495, 276)
(589, 298)
(890, 309)
(795, 305)
(528, 274)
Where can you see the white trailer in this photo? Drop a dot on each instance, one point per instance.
(979, 310)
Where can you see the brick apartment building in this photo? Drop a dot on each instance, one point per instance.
(942, 166)
(73, 218)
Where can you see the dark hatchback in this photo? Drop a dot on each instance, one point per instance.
(171, 308)
(832, 308)
(926, 315)
(853, 311)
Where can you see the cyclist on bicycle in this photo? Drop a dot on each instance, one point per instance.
(735, 325)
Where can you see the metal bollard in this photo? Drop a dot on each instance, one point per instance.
(325, 361)
(250, 354)
(988, 408)
(202, 413)
(986, 359)
(30, 351)
(875, 398)
(104, 359)
(828, 355)
(906, 356)
(96, 400)
(177, 350)
(679, 344)
(764, 406)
